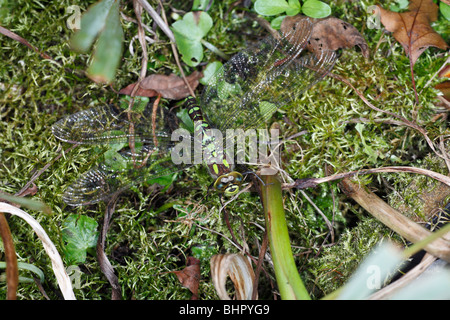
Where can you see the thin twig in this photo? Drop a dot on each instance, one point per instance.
(313, 182)
(175, 53)
(159, 21)
(103, 260)
(18, 38)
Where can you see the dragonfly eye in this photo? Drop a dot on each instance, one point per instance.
(231, 190)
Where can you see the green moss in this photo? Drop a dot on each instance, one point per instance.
(144, 242)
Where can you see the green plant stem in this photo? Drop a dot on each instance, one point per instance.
(290, 284)
(214, 49)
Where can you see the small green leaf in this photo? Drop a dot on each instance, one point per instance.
(316, 9)
(210, 70)
(186, 120)
(28, 203)
(445, 10)
(276, 23)
(191, 51)
(29, 267)
(164, 181)
(92, 23)
(108, 50)
(294, 7)
(79, 234)
(271, 7)
(114, 160)
(399, 5)
(188, 33)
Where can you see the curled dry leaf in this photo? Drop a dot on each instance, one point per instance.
(412, 28)
(169, 87)
(329, 34)
(189, 277)
(240, 271)
(64, 281)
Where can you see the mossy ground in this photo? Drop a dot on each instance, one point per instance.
(144, 242)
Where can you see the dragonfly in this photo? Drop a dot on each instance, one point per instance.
(243, 94)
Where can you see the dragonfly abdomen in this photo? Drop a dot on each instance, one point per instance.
(227, 180)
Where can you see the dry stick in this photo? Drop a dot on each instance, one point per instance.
(159, 21)
(18, 38)
(313, 182)
(144, 62)
(12, 272)
(103, 261)
(394, 220)
(175, 52)
(57, 264)
(262, 253)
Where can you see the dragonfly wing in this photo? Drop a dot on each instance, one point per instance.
(149, 130)
(110, 124)
(118, 174)
(256, 82)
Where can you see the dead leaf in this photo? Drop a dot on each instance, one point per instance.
(412, 29)
(170, 87)
(329, 34)
(445, 72)
(444, 87)
(189, 277)
(240, 271)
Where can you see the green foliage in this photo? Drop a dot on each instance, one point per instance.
(445, 10)
(101, 21)
(210, 70)
(143, 241)
(24, 266)
(188, 34)
(399, 5)
(79, 234)
(311, 8)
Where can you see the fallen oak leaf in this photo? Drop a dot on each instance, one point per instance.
(189, 277)
(412, 28)
(444, 87)
(445, 72)
(328, 34)
(169, 87)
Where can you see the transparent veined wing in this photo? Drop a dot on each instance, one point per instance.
(118, 173)
(256, 82)
(147, 130)
(109, 124)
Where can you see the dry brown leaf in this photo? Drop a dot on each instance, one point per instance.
(189, 277)
(240, 271)
(170, 87)
(412, 29)
(329, 34)
(444, 87)
(445, 72)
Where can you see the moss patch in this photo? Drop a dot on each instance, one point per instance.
(150, 235)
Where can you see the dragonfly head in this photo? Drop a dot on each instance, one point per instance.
(229, 184)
